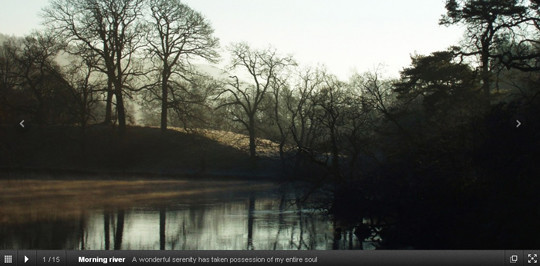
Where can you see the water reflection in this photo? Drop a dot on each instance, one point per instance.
(248, 224)
(255, 219)
(251, 210)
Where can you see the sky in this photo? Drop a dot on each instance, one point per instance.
(346, 36)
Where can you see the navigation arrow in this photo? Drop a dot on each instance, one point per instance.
(518, 123)
(25, 259)
(22, 124)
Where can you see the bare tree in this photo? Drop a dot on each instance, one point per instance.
(8, 79)
(84, 81)
(330, 103)
(177, 34)
(189, 100)
(280, 94)
(35, 71)
(262, 67)
(109, 28)
(300, 104)
(376, 93)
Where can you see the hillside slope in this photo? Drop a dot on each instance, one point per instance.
(142, 150)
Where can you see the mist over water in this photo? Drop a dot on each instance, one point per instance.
(263, 218)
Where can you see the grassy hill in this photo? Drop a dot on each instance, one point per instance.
(142, 150)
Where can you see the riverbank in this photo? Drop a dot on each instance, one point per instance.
(33, 200)
(142, 152)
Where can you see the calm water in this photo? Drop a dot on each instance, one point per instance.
(179, 214)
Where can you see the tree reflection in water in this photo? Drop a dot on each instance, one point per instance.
(264, 223)
(265, 220)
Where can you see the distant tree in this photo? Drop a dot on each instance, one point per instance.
(36, 74)
(370, 103)
(190, 101)
(276, 113)
(484, 21)
(85, 81)
(280, 89)
(177, 34)
(378, 97)
(245, 99)
(441, 84)
(376, 93)
(7, 79)
(108, 28)
(331, 101)
(300, 103)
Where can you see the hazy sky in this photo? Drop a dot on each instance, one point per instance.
(344, 35)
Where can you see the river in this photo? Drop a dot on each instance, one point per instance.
(161, 214)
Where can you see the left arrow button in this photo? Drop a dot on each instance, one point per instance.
(22, 124)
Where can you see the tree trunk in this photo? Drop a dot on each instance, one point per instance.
(118, 86)
(282, 151)
(120, 106)
(164, 101)
(252, 147)
(108, 106)
(485, 74)
(40, 114)
(335, 151)
(484, 58)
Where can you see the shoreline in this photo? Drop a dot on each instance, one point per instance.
(92, 174)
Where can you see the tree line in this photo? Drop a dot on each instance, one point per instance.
(132, 52)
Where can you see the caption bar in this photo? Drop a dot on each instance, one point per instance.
(296, 258)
